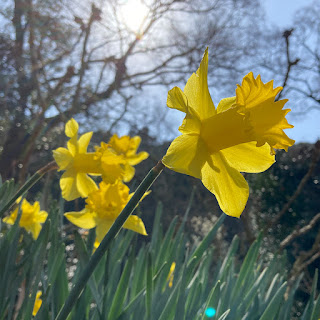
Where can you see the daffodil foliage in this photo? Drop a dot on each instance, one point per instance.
(113, 163)
(31, 217)
(240, 135)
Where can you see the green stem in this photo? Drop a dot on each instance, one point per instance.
(105, 243)
(29, 183)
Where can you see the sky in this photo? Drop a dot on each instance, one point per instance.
(281, 13)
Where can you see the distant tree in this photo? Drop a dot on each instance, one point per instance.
(292, 57)
(61, 59)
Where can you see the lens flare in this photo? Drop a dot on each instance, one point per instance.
(210, 312)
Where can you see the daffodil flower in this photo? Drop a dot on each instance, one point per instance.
(103, 207)
(125, 151)
(37, 303)
(239, 136)
(112, 161)
(77, 163)
(31, 217)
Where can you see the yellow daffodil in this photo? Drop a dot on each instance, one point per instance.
(239, 136)
(113, 161)
(171, 274)
(77, 164)
(103, 207)
(37, 303)
(118, 157)
(31, 217)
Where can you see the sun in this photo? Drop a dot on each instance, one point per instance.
(134, 14)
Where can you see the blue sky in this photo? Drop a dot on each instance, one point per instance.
(281, 14)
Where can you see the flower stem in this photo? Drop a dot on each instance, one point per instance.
(29, 183)
(104, 245)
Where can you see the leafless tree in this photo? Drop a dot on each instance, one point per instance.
(61, 59)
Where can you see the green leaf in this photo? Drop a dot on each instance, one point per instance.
(204, 245)
(246, 269)
(121, 292)
(224, 315)
(273, 307)
(149, 288)
(84, 258)
(212, 299)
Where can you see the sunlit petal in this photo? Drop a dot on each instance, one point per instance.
(85, 184)
(177, 100)
(84, 141)
(197, 92)
(68, 185)
(134, 160)
(12, 218)
(186, 154)
(71, 129)
(35, 229)
(226, 183)
(103, 227)
(129, 172)
(226, 104)
(83, 219)
(135, 224)
(42, 216)
(247, 157)
(265, 115)
(63, 158)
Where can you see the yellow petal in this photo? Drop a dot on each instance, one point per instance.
(197, 92)
(247, 157)
(68, 185)
(186, 154)
(177, 100)
(226, 104)
(133, 145)
(103, 227)
(253, 91)
(190, 124)
(42, 216)
(112, 166)
(84, 141)
(265, 116)
(71, 128)
(35, 229)
(72, 146)
(226, 183)
(83, 219)
(135, 159)
(129, 172)
(120, 145)
(12, 218)
(135, 224)
(63, 158)
(85, 184)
